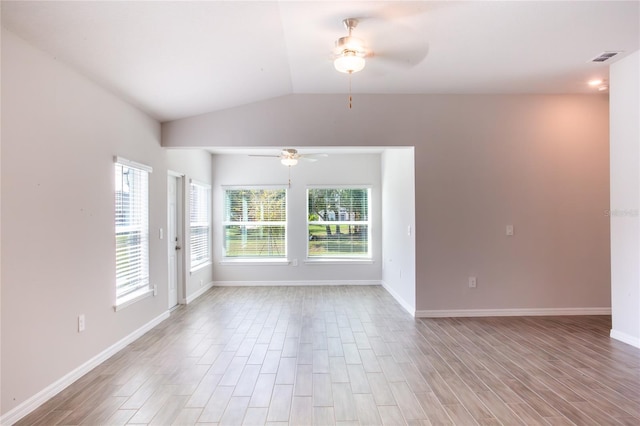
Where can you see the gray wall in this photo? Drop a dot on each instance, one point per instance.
(354, 169)
(482, 162)
(191, 164)
(398, 226)
(60, 132)
(625, 199)
(59, 135)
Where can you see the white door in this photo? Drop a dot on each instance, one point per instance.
(173, 238)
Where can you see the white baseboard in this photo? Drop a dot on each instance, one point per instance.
(59, 385)
(293, 283)
(625, 338)
(406, 306)
(527, 312)
(202, 290)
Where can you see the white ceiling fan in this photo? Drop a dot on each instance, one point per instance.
(401, 46)
(389, 41)
(290, 156)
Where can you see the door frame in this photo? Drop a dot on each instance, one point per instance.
(181, 231)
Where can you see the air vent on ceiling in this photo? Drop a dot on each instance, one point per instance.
(604, 56)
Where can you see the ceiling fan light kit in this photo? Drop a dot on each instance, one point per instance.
(349, 62)
(350, 51)
(289, 161)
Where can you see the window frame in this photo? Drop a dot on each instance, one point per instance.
(141, 287)
(247, 259)
(347, 258)
(206, 223)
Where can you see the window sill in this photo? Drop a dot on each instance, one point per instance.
(255, 262)
(338, 261)
(201, 266)
(132, 298)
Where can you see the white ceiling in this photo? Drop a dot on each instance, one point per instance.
(175, 59)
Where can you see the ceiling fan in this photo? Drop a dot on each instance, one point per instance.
(350, 51)
(290, 156)
(405, 48)
(390, 42)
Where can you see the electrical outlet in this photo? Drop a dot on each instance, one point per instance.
(81, 323)
(509, 230)
(472, 282)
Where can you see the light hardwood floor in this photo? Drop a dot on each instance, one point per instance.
(351, 355)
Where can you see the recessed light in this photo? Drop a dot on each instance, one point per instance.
(595, 82)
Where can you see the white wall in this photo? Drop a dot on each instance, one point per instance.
(192, 164)
(625, 199)
(398, 226)
(356, 169)
(59, 135)
(482, 162)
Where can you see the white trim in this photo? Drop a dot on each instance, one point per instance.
(249, 261)
(133, 164)
(134, 297)
(199, 183)
(193, 296)
(59, 385)
(284, 186)
(625, 338)
(175, 174)
(300, 283)
(526, 312)
(338, 261)
(201, 266)
(341, 186)
(407, 307)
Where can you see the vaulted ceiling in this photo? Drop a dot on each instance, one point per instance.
(175, 59)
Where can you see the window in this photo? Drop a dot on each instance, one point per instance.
(132, 229)
(338, 223)
(199, 224)
(255, 223)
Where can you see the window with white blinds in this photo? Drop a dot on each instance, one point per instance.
(339, 223)
(132, 228)
(200, 224)
(255, 223)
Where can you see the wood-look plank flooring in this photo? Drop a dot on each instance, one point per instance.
(350, 355)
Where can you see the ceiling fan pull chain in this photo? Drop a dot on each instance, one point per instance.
(350, 98)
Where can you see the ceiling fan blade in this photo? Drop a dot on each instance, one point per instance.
(316, 156)
(403, 57)
(397, 43)
(264, 155)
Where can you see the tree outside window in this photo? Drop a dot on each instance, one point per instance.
(338, 222)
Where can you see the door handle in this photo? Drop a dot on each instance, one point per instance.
(178, 247)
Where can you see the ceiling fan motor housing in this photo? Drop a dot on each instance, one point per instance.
(290, 153)
(349, 44)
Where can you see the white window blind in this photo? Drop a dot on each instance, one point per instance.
(338, 223)
(255, 223)
(199, 223)
(132, 228)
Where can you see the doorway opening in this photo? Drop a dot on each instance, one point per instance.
(175, 238)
